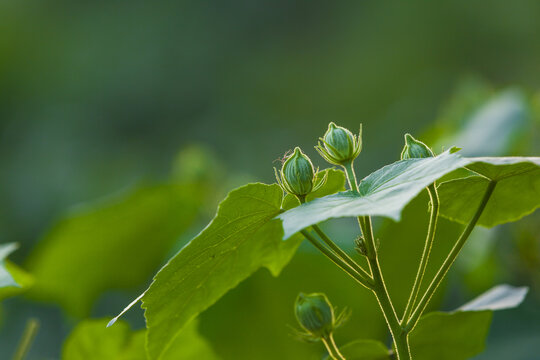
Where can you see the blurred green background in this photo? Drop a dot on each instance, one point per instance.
(103, 97)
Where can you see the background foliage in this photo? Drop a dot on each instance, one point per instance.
(116, 105)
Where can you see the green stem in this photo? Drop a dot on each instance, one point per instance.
(332, 245)
(379, 289)
(434, 197)
(333, 350)
(30, 332)
(383, 298)
(449, 259)
(336, 259)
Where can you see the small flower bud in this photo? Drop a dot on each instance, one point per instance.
(297, 176)
(360, 245)
(415, 149)
(315, 314)
(339, 145)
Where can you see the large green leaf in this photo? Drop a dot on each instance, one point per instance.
(461, 334)
(242, 238)
(6, 279)
(91, 340)
(384, 192)
(364, 350)
(516, 194)
(454, 336)
(114, 244)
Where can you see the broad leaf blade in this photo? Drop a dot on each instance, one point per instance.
(455, 336)
(516, 194)
(242, 238)
(383, 193)
(91, 340)
(461, 334)
(498, 298)
(114, 244)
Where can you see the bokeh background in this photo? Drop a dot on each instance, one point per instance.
(101, 98)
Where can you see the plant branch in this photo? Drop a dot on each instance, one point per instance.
(434, 198)
(30, 332)
(332, 245)
(332, 348)
(379, 289)
(336, 260)
(411, 323)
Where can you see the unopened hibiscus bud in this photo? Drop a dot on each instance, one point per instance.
(339, 146)
(415, 149)
(297, 175)
(315, 314)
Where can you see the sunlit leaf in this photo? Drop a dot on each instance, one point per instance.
(516, 194)
(384, 193)
(6, 279)
(498, 298)
(242, 238)
(114, 244)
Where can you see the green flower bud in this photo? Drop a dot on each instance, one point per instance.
(415, 149)
(297, 176)
(339, 145)
(315, 314)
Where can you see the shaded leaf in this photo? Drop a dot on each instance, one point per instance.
(92, 340)
(242, 238)
(516, 194)
(364, 350)
(114, 244)
(454, 336)
(462, 334)
(384, 193)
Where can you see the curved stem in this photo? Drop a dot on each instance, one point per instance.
(332, 245)
(336, 259)
(449, 259)
(434, 198)
(332, 348)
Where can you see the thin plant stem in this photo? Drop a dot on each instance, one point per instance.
(333, 350)
(381, 293)
(332, 245)
(379, 289)
(434, 198)
(338, 251)
(411, 323)
(30, 332)
(336, 259)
